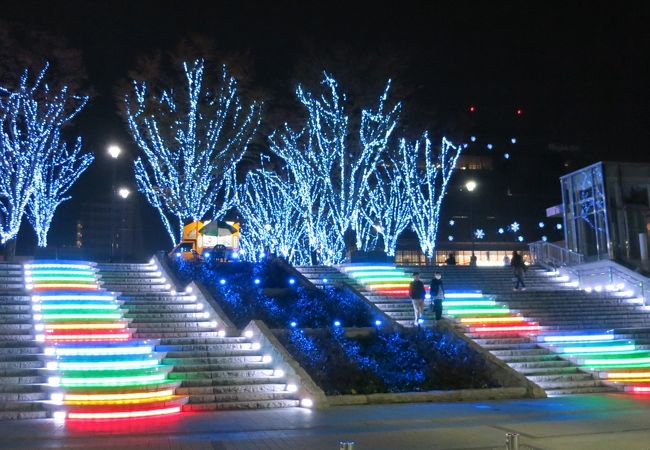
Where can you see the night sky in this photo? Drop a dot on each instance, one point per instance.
(580, 73)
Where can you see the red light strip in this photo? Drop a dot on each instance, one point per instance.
(123, 414)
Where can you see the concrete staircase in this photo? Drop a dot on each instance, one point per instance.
(20, 355)
(550, 305)
(216, 371)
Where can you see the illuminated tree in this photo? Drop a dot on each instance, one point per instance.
(272, 220)
(63, 167)
(426, 173)
(31, 118)
(191, 139)
(330, 167)
(389, 206)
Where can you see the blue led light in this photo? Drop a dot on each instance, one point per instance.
(558, 226)
(540, 224)
(544, 238)
(37, 166)
(337, 323)
(222, 281)
(194, 134)
(293, 324)
(325, 280)
(206, 254)
(292, 281)
(472, 138)
(377, 322)
(506, 155)
(501, 231)
(520, 239)
(235, 255)
(256, 281)
(452, 222)
(450, 238)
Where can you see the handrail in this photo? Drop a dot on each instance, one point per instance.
(546, 253)
(607, 274)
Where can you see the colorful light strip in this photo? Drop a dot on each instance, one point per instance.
(487, 320)
(579, 337)
(85, 326)
(76, 296)
(118, 397)
(77, 316)
(124, 414)
(87, 337)
(370, 268)
(599, 349)
(522, 328)
(76, 306)
(136, 380)
(101, 351)
(476, 311)
(105, 365)
(57, 266)
(58, 286)
(470, 303)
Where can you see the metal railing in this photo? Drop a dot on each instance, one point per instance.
(608, 274)
(545, 253)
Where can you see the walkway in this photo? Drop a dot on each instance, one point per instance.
(594, 422)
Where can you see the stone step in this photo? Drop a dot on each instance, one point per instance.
(542, 364)
(229, 381)
(560, 377)
(232, 389)
(178, 374)
(166, 334)
(257, 404)
(200, 341)
(11, 397)
(220, 366)
(241, 397)
(239, 350)
(575, 390)
(544, 371)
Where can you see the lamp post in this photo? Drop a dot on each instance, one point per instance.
(114, 152)
(470, 186)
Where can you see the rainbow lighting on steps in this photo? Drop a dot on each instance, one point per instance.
(96, 369)
(478, 312)
(617, 360)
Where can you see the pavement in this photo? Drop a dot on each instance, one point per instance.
(594, 422)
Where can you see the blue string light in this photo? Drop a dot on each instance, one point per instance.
(191, 140)
(37, 168)
(427, 184)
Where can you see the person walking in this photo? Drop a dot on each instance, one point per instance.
(417, 294)
(518, 269)
(437, 292)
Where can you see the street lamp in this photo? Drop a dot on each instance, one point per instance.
(114, 151)
(470, 186)
(123, 192)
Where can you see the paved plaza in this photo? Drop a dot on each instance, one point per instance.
(607, 422)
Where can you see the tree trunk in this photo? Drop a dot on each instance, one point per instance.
(10, 250)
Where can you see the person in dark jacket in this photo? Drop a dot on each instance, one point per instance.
(417, 294)
(437, 292)
(518, 269)
(451, 260)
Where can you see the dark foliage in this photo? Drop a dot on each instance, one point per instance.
(273, 300)
(388, 361)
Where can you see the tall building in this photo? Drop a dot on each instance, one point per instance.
(110, 230)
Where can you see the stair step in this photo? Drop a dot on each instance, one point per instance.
(259, 404)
